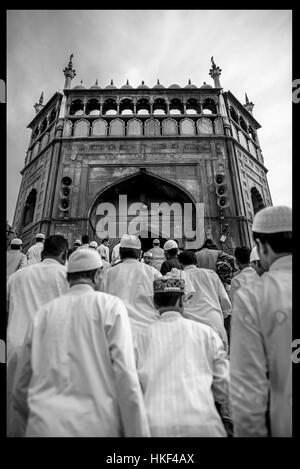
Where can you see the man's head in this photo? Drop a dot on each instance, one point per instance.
(242, 255)
(170, 248)
(85, 266)
(77, 243)
(147, 257)
(93, 245)
(40, 238)
(187, 258)
(85, 239)
(55, 247)
(16, 244)
(156, 243)
(272, 233)
(168, 293)
(105, 242)
(130, 247)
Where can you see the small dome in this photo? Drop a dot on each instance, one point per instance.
(127, 86)
(174, 86)
(79, 87)
(95, 86)
(143, 86)
(158, 85)
(111, 86)
(205, 85)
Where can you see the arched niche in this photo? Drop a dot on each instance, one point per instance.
(134, 127)
(209, 105)
(257, 200)
(242, 139)
(117, 127)
(35, 150)
(205, 126)
(76, 107)
(109, 104)
(44, 140)
(169, 127)
(92, 107)
(81, 128)
(152, 127)
(67, 128)
(99, 127)
(187, 127)
(219, 129)
(29, 208)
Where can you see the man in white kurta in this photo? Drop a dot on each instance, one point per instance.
(183, 370)
(246, 274)
(115, 255)
(261, 365)
(27, 290)
(210, 303)
(34, 253)
(103, 250)
(132, 281)
(78, 376)
(15, 259)
(158, 255)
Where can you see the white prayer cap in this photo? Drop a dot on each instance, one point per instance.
(130, 241)
(77, 242)
(170, 244)
(40, 235)
(156, 241)
(254, 255)
(93, 244)
(148, 254)
(83, 260)
(273, 220)
(16, 242)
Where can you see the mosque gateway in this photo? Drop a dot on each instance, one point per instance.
(160, 162)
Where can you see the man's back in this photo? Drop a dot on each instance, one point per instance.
(207, 258)
(132, 281)
(27, 290)
(15, 260)
(34, 253)
(158, 257)
(84, 381)
(177, 362)
(210, 302)
(170, 264)
(261, 352)
(243, 278)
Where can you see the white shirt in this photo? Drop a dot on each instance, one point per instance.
(243, 278)
(104, 252)
(79, 370)
(132, 281)
(115, 255)
(27, 290)
(158, 257)
(182, 369)
(260, 358)
(15, 260)
(34, 253)
(210, 302)
(207, 258)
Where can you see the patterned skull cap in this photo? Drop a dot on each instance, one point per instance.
(168, 284)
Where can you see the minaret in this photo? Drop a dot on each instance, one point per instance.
(69, 73)
(249, 105)
(38, 106)
(215, 73)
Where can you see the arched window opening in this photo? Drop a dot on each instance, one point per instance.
(92, 107)
(176, 105)
(207, 111)
(252, 133)
(209, 105)
(44, 125)
(233, 114)
(192, 106)
(111, 112)
(160, 105)
(29, 207)
(76, 107)
(109, 105)
(35, 133)
(143, 106)
(243, 124)
(257, 200)
(52, 115)
(126, 106)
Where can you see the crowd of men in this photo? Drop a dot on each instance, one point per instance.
(166, 343)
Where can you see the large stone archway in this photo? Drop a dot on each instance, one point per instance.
(150, 207)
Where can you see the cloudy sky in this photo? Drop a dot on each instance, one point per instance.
(253, 49)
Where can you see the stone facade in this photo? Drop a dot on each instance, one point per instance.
(155, 145)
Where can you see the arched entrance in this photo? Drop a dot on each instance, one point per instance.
(146, 205)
